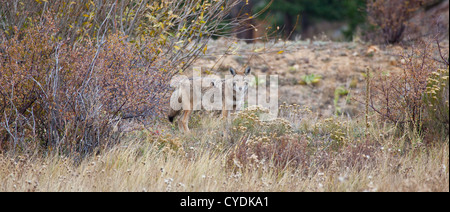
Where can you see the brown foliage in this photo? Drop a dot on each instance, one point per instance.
(72, 70)
(60, 95)
(391, 17)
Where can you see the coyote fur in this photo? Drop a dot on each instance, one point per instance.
(234, 101)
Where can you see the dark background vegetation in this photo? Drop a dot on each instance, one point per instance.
(308, 18)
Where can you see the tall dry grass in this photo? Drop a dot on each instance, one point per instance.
(201, 163)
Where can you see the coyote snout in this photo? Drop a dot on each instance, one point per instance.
(229, 94)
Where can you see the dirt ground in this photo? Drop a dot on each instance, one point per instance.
(339, 65)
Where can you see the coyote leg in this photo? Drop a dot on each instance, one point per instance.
(225, 112)
(185, 120)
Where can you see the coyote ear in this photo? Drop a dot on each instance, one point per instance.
(233, 72)
(247, 71)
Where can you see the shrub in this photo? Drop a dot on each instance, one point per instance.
(436, 100)
(311, 79)
(338, 93)
(261, 151)
(389, 18)
(266, 143)
(403, 97)
(337, 133)
(165, 143)
(65, 98)
(72, 70)
(248, 122)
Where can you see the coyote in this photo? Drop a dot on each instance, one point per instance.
(231, 100)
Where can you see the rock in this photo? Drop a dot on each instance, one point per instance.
(292, 62)
(326, 59)
(372, 50)
(305, 60)
(393, 61)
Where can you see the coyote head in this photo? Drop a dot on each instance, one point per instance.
(240, 81)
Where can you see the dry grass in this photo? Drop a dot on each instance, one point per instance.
(388, 163)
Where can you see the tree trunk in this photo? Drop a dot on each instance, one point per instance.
(243, 12)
